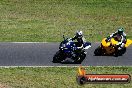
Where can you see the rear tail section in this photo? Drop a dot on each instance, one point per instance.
(128, 43)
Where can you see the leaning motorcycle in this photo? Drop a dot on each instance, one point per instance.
(68, 49)
(110, 47)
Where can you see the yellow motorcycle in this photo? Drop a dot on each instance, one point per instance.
(110, 47)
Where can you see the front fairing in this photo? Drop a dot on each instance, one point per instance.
(128, 43)
(67, 46)
(110, 46)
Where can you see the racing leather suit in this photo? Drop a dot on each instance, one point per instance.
(80, 41)
(122, 41)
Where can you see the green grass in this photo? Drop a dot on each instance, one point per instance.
(48, 20)
(56, 77)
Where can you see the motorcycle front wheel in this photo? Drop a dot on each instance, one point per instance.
(98, 51)
(58, 57)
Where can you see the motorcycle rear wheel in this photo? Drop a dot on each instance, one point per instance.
(80, 58)
(120, 52)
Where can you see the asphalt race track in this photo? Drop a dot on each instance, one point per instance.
(41, 54)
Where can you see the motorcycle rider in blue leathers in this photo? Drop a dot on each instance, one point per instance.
(119, 33)
(80, 40)
(79, 44)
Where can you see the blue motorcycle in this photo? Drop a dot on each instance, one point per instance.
(68, 49)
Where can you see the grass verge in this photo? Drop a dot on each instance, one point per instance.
(56, 77)
(48, 20)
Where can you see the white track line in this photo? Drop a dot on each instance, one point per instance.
(38, 66)
(27, 42)
(56, 66)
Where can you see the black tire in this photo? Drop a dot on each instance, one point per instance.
(121, 52)
(80, 58)
(98, 51)
(116, 54)
(57, 57)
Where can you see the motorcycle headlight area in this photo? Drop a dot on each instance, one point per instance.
(63, 46)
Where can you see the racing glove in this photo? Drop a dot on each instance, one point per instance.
(108, 39)
(119, 44)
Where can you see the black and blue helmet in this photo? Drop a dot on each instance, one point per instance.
(120, 30)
